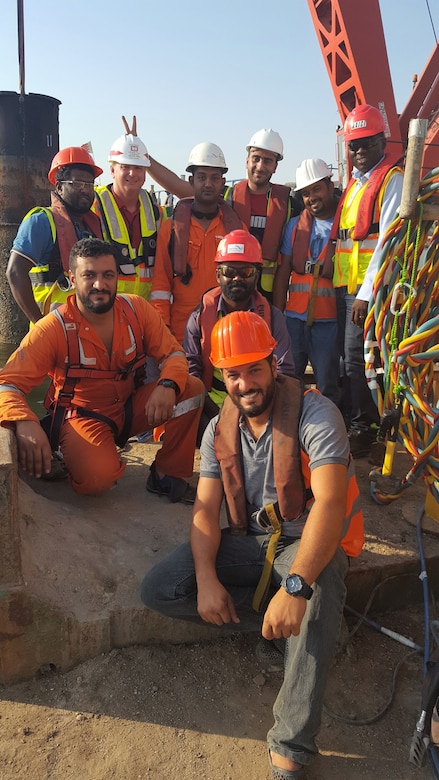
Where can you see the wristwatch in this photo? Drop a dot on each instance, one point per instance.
(169, 383)
(295, 585)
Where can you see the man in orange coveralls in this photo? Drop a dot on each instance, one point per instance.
(107, 329)
(185, 259)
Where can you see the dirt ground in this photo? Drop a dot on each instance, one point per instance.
(177, 712)
(202, 711)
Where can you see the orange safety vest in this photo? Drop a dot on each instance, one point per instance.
(311, 291)
(179, 239)
(278, 198)
(208, 315)
(65, 230)
(291, 466)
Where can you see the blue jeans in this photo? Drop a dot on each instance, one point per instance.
(359, 407)
(170, 589)
(317, 344)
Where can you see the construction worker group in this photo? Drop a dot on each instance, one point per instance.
(202, 324)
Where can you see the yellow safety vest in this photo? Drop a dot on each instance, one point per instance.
(50, 284)
(135, 274)
(352, 258)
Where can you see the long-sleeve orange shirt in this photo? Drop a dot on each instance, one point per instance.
(43, 352)
(174, 300)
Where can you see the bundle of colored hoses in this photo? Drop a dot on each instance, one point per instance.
(402, 348)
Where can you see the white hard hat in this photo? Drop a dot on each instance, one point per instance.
(207, 155)
(129, 150)
(268, 140)
(310, 171)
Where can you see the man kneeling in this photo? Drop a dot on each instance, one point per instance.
(281, 459)
(94, 348)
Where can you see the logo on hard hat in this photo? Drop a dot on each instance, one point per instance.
(134, 148)
(235, 249)
(358, 124)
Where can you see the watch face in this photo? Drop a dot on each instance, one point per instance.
(294, 583)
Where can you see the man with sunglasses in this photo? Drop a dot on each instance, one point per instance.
(366, 209)
(38, 265)
(238, 267)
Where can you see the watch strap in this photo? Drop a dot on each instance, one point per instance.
(169, 383)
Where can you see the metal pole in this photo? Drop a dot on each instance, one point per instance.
(20, 18)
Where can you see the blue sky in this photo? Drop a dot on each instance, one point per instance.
(197, 71)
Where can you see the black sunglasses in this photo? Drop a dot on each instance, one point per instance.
(363, 143)
(243, 273)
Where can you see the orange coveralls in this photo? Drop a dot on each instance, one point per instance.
(88, 445)
(174, 300)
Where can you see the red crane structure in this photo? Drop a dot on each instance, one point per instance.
(355, 56)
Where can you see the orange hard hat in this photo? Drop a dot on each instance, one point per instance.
(240, 337)
(363, 122)
(239, 246)
(70, 156)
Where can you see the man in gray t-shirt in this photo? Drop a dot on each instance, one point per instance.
(265, 453)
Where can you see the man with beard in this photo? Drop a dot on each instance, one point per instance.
(94, 348)
(238, 265)
(187, 243)
(264, 207)
(303, 284)
(38, 265)
(281, 461)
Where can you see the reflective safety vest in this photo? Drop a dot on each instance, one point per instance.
(206, 318)
(136, 265)
(310, 288)
(50, 282)
(291, 467)
(278, 214)
(357, 223)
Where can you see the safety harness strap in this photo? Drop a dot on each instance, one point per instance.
(60, 407)
(263, 586)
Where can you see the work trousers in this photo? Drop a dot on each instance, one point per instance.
(318, 344)
(358, 405)
(92, 459)
(170, 589)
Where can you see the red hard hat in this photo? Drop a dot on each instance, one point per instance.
(70, 156)
(363, 122)
(239, 246)
(240, 337)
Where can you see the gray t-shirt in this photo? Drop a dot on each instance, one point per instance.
(323, 438)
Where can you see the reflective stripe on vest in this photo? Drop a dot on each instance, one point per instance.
(352, 258)
(49, 282)
(278, 214)
(134, 278)
(299, 290)
(307, 292)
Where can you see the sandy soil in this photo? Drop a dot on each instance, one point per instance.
(177, 712)
(202, 711)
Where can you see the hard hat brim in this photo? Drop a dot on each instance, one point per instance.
(242, 360)
(191, 168)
